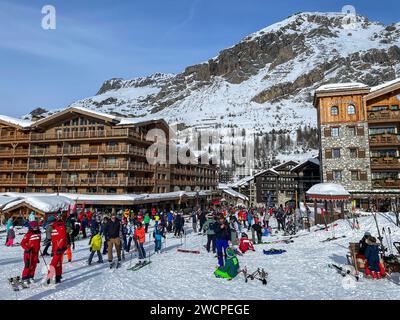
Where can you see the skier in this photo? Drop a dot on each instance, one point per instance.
(249, 220)
(245, 244)
(158, 234)
(223, 237)
(84, 224)
(10, 236)
(95, 247)
(111, 233)
(208, 227)
(140, 237)
(31, 244)
(231, 268)
(59, 245)
(170, 218)
(372, 260)
(266, 219)
(49, 230)
(258, 230)
(202, 218)
(146, 221)
(102, 228)
(233, 224)
(194, 221)
(178, 225)
(32, 216)
(131, 231)
(280, 218)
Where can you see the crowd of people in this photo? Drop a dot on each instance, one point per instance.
(226, 231)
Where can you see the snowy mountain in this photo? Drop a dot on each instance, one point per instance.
(265, 82)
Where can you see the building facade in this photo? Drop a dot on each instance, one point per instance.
(360, 141)
(81, 151)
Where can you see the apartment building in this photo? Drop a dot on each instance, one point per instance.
(78, 150)
(359, 130)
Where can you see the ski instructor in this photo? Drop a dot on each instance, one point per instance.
(111, 234)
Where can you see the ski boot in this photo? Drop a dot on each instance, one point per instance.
(58, 279)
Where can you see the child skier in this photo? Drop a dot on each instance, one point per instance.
(372, 262)
(10, 236)
(245, 244)
(59, 246)
(231, 268)
(31, 244)
(158, 234)
(95, 247)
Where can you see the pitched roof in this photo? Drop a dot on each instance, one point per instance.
(15, 122)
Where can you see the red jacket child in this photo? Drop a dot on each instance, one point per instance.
(245, 244)
(31, 244)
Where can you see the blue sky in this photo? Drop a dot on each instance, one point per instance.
(100, 39)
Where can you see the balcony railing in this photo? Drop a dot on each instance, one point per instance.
(384, 139)
(16, 152)
(385, 162)
(12, 182)
(89, 182)
(386, 183)
(15, 137)
(92, 134)
(121, 165)
(89, 151)
(383, 116)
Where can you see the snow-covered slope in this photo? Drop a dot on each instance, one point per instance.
(267, 80)
(300, 273)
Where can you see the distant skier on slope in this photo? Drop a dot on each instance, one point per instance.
(31, 245)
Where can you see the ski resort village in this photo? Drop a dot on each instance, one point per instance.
(271, 171)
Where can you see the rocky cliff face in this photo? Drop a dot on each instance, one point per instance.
(266, 82)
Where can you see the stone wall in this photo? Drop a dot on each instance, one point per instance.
(345, 163)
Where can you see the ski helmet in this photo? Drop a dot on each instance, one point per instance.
(244, 235)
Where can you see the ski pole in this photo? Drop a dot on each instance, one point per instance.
(44, 260)
(390, 241)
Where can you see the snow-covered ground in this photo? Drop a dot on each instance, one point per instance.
(300, 273)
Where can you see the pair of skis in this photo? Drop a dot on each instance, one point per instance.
(333, 239)
(259, 274)
(343, 272)
(16, 282)
(139, 265)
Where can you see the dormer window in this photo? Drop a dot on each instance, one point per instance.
(351, 109)
(334, 111)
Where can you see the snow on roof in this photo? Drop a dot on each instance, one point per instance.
(4, 200)
(312, 160)
(241, 182)
(225, 188)
(16, 122)
(100, 114)
(328, 190)
(342, 86)
(45, 204)
(386, 84)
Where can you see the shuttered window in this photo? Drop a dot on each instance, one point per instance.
(329, 176)
(328, 153)
(360, 131)
(327, 132)
(361, 153)
(363, 176)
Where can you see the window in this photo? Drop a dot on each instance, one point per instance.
(353, 153)
(337, 175)
(335, 132)
(335, 153)
(355, 175)
(351, 109)
(334, 111)
(352, 130)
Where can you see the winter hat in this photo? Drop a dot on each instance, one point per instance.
(367, 234)
(33, 225)
(230, 253)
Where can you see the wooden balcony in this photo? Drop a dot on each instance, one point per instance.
(383, 116)
(12, 182)
(387, 139)
(101, 166)
(15, 137)
(90, 182)
(15, 167)
(88, 135)
(385, 162)
(93, 151)
(386, 183)
(14, 153)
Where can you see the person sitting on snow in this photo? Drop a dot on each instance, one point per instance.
(245, 243)
(372, 259)
(363, 243)
(231, 268)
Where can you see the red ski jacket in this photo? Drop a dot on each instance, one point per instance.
(59, 236)
(31, 240)
(245, 245)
